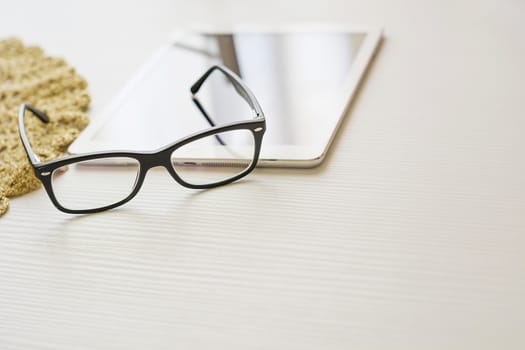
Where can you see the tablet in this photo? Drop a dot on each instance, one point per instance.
(304, 79)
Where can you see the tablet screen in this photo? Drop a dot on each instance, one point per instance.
(297, 77)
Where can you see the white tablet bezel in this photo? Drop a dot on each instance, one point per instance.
(273, 156)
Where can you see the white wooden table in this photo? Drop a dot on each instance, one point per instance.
(410, 236)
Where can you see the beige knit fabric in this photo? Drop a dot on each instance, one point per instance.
(48, 83)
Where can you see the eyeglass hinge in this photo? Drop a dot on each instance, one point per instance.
(258, 129)
(45, 173)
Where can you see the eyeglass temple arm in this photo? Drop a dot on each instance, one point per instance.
(22, 130)
(196, 87)
(206, 116)
(237, 83)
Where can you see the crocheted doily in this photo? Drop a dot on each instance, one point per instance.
(48, 83)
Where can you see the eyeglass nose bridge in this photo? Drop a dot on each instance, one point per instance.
(153, 160)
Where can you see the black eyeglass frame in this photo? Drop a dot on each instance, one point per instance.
(150, 159)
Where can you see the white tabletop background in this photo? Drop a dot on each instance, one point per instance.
(410, 236)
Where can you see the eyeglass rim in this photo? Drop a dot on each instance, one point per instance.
(147, 160)
(44, 170)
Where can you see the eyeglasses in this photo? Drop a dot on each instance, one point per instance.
(98, 181)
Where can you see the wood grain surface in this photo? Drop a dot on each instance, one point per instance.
(410, 236)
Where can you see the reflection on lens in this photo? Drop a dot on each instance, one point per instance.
(96, 183)
(214, 158)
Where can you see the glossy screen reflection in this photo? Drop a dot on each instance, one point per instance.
(297, 78)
